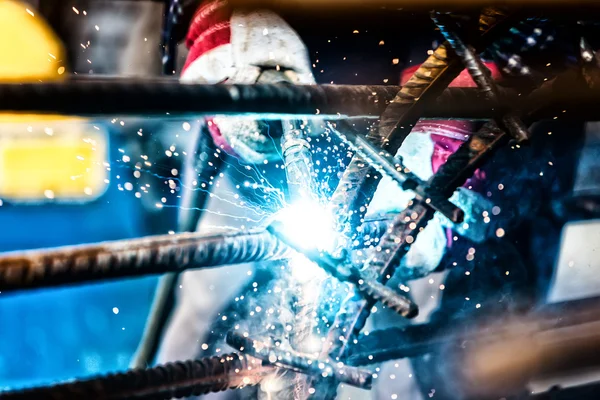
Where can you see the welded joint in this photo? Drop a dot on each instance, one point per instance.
(342, 269)
(274, 354)
(393, 167)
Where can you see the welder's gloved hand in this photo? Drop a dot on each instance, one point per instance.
(478, 214)
(244, 47)
(428, 249)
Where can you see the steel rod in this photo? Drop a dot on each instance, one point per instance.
(166, 98)
(290, 359)
(479, 73)
(173, 380)
(416, 340)
(342, 270)
(116, 96)
(135, 257)
(161, 254)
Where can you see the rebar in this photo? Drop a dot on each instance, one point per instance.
(167, 97)
(479, 73)
(366, 286)
(126, 258)
(173, 380)
(381, 266)
(416, 340)
(31, 269)
(359, 182)
(393, 168)
(290, 359)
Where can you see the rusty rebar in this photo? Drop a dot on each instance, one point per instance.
(173, 380)
(160, 254)
(123, 258)
(480, 74)
(359, 182)
(290, 359)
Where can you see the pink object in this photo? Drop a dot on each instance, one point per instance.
(449, 135)
(209, 29)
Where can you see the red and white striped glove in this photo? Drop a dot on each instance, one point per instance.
(231, 46)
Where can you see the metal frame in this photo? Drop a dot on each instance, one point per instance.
(399, 107)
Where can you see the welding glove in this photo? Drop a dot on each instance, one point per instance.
(244, 47)
(428, 249)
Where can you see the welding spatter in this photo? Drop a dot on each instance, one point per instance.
(342, 269)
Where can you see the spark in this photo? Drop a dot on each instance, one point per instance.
(309, 224)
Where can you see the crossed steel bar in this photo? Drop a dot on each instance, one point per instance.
(357, 186)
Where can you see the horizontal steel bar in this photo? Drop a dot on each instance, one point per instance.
(135, 257)
(290, 359)
(160, 254)
(167, 98)
(173, 380)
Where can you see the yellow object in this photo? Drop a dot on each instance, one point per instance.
(29, 49)
(43, 157)
(59, 160)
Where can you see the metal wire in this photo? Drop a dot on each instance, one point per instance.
(174, 380)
